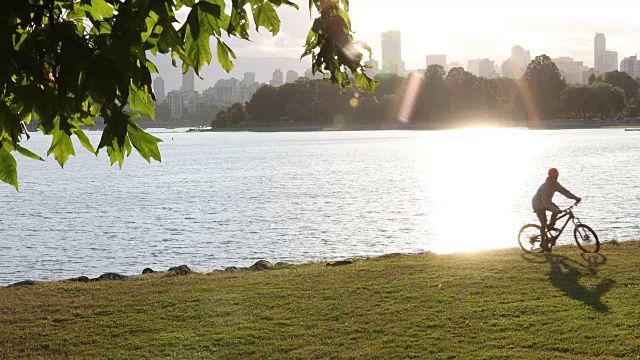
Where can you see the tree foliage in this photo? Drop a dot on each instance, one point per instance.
(66, 62)
(623, 81)
(441, 100)
(542, 85)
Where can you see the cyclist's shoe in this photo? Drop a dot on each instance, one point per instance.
(544, 248)
(553, 228)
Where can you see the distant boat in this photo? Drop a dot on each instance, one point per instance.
(199, 128)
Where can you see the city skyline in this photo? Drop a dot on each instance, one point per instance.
(603, 58)
(465, 31)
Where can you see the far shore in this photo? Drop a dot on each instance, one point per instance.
(560, 124)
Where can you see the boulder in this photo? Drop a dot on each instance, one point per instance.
(231, 269)
(24, 283)
(147, 271)
(341, 263)
(83, 279)
(110, 276)
(180, 270)
(261, 265)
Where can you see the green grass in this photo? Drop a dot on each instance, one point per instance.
(488, 305)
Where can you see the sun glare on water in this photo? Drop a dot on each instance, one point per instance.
(473, 181)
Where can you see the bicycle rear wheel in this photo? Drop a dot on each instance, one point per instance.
(586, 238)
(529, 238)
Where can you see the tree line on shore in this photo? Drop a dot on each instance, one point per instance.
(439, 99)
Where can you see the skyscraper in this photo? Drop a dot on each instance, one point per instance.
(570, 69)
(604, 60)
(599, 48)
(188, 81)
(292, 76)
(158, 89)
(486, 69)
(610, 61)
(437, 60)
(631, 66)
(517, 64)
(249, 79)
(278, 78)
(392, 52)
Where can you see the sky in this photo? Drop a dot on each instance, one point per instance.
(461, 29)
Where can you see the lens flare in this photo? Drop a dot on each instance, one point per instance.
(414, 84)
(529, 102)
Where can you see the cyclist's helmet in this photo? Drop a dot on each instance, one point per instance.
(553, 172)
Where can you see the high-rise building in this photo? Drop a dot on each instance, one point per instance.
(610, 61)
(278, 78)
(586, 74)
(482, 68)
(631, 65)
(570, 70)
(486, 68)
(517, 64)
(437, 60)
(249, 79)
(158, 89)
(188, 81)
(392, 52)
(176, 103)
(292, 76)
(604, 60)
(473, 66)
(599, 48)
(521, 56)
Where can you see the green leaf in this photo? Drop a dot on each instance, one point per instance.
(8, 168)
(264, 15)
(223, 52)
(345, 17)
(146, 144)
(204, 20)
(141, 100)
(99, 9)
(5, 121)
(27, 153)
(84, 140)
(116, 153)
(61, 147)
(239, 22)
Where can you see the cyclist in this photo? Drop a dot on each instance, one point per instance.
(542, 203)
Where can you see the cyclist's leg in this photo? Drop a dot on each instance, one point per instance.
(542, 216)
(555, 211)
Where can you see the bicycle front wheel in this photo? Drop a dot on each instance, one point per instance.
(529, 238)
(586, 238)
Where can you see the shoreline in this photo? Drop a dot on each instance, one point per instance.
(394, 306)
(261, 265)
(560, 124)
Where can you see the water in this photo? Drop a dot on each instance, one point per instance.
(229, 199)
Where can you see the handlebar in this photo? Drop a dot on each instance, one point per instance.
(571, 207)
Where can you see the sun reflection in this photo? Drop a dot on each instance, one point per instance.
(472, 183)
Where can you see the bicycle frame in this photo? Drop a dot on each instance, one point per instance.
(567, 213)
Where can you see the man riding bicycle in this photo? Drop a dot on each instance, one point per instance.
(542, 203)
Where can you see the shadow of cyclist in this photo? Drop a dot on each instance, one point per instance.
(565, 275)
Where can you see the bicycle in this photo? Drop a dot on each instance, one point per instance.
(530, 236)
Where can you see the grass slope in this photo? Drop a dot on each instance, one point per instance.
(488, 305)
